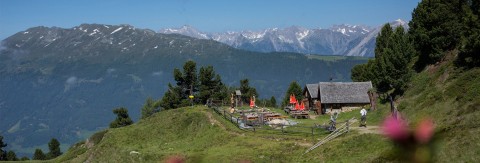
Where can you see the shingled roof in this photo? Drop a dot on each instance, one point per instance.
(312, 90)
(344, 92)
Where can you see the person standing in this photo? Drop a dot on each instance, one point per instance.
(363, 121)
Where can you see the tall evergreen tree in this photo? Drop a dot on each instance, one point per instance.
(382, 40)
(273, 102)
(247, 91)
(171, 99)
(122, 118)
(3, 153)
(211, 85)
(54, 147)
(469, 55)
(382, 65)
(187, 80)
(436, 27)
(187, 84)
(401, 55)
(295, 89)
(391, 68)
(39, 155)
(150, 107)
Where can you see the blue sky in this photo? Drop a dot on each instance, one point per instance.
(205, 15)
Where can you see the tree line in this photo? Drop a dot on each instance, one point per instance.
(192, 88)
(438, 27)
(53, 146)
(202, 86)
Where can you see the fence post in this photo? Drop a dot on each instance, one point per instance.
(312, 131)
(348, 125)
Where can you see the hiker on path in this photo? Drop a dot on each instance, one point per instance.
(363, 121)
(333, 121)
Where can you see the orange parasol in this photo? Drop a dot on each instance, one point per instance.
(292, 99)
(302, 106)
(252, 103)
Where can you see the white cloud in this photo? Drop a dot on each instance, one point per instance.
(71, 80)
(157, 73)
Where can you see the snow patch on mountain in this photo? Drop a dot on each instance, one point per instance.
(344, 39)
(116, 30)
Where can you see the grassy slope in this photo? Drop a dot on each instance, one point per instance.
(451, 97)
(189, 133)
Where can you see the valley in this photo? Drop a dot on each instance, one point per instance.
(64, 83)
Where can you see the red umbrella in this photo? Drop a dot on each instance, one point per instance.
(292, 99)
(302, 106)
(297, 107)
(252, 103)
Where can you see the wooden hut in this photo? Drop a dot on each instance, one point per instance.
(340, 96)
(310, 92)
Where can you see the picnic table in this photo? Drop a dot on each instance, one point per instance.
(299, 114)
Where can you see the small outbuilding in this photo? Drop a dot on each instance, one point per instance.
(238, 97)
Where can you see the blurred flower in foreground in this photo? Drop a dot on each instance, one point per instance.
(424, 131)
(175, 159)
(395, 129)
(412, 145)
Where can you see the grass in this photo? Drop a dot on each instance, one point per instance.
(191, 134)
(450, 97)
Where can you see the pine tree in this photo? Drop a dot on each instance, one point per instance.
(39, 155)
(436, 27)
(273, 102)
(150, 107)
(469, 55)
(3, 153)
(54, 147)
(247, 91)
(402, 53)
(171, 98)
(391, 68)
(187, 84)
(187, 80)
(295, 89)
(211, 85)
(382, 65)
(122, 118)
(382, 40)
(11, 156)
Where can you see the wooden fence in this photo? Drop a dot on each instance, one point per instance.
(270, 128)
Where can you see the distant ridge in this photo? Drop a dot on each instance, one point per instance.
(346, 40)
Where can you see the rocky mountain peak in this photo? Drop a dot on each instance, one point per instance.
(343, 39)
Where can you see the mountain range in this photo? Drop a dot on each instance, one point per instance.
(346, 40)
(64, 82)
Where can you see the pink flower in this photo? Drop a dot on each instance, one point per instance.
(395, 129)
(424, 131)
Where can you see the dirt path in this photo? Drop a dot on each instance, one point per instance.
(213, 121)
(365, 130)
(368, 130)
